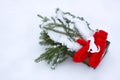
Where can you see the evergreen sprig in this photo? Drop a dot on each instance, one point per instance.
(54, 55)
(46, 39)
(57, 52)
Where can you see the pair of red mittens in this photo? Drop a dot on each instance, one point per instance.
(93, 58)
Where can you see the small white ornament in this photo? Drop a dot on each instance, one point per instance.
(93, 48)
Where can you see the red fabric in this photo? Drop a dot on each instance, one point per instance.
(94, 58)
(82, 53)
(100, 40)
(81, 41)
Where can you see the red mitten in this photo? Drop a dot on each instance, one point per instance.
(100, 41)
(82, 53)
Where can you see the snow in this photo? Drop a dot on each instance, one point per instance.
(19, 37)
(73, 46)
(83, 29)
(66, 40)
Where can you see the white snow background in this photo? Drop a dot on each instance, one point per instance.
(19, 37)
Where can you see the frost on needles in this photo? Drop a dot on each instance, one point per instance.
(66, 27)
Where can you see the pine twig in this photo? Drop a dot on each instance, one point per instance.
(57, 53)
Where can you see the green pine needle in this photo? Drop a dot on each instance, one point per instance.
(58, 53)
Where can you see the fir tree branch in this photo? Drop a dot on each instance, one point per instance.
(54, 55)
(88, 25)
(57, 31)
(46, 39)
(57, 53)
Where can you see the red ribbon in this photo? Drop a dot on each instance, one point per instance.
(93, 58)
